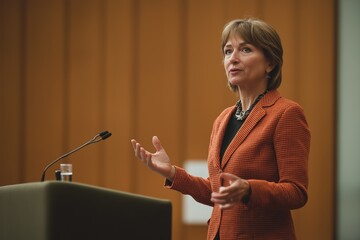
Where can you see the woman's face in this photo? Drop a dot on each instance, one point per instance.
(245, 65)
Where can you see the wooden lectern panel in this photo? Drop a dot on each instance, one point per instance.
(60, 210)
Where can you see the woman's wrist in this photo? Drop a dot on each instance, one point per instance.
(172, 173)
(246, 197)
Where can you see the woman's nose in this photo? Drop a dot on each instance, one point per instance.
(234, 58)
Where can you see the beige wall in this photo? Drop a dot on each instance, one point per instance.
(72, 68)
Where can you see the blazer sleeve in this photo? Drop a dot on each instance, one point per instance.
(197, 187)
(291, 146)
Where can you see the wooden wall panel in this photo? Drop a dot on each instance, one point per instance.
(85, 85)
(235, 9)
(159, 81)
(317, 88)
(117, 158)
(11, 69)
(158, 65)
(44, 86)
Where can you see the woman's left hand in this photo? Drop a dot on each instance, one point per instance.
(233, 191)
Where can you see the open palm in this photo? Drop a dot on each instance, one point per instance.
(158, 161)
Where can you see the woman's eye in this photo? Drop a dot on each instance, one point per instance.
(246, 50)
(227, 51)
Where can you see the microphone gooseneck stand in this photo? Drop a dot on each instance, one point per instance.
(101, 136)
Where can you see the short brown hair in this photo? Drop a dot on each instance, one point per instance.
(263, 36)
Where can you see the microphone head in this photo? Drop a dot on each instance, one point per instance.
(104, 135)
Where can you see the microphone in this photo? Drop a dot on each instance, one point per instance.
(98, 137)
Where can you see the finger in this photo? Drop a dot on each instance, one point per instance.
(136, 147)
(225, 190)
(133, 143)
(156, 143)
(221, 189)
(228, 177)
(138, 150)
(149, 161)
(220, 201)
(142, 154)
(219, 198)
(230, 202)
(228, 181)
(226, 206)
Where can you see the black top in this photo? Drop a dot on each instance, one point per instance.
(232, 128)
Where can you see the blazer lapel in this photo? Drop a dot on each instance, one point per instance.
(219, 139)
(251, 121)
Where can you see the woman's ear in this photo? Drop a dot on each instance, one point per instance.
(270, 67)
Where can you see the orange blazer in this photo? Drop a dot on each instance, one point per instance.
(271, 151)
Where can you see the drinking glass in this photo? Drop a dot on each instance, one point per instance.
(66, 172)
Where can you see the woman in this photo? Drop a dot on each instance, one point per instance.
(258, 148)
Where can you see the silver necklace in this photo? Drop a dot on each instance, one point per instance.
(241, 115)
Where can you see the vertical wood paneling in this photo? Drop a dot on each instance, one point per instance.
(85, 87)
(119, 96)
(10, 91)
(158, 79)
(317, 57)
(44, 53)
(158, 86)
(235, 9)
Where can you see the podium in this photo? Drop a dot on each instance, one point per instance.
(54, 210)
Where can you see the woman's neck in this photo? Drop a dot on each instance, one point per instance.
(248, 97)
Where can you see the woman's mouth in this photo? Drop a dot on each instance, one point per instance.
(234, 70)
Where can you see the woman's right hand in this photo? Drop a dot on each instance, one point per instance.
(158, 161)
